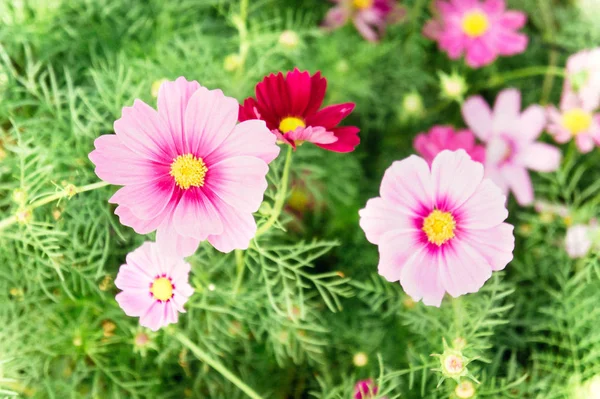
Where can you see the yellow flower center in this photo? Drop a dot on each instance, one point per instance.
(362, 4)
(439, 227)
(188, 171)
(290, 124)
(162, 289)
(475, 24)
(577, 121)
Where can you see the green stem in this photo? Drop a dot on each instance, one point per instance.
(241, 267)
(52, 198)
(549, 29)
(281, 196)
(218, 366)
(499, 80)
(241, 24)
(458, 314)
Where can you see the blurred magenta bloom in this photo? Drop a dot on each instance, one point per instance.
(440, 138)
(290, 107)
(154, 286)
(574, 121)
(365, 389)
(582, 85)
(482, 30)
(439, 229)
(511, 146)
(370, 17)
(188, 171)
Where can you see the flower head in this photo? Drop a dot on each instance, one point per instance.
(290, 106)
(439, 229)
(412, 107)
(188, 171)
(580, 239)
(575, 121)
(365, 389)
(511, 146)
(370, 17)
(465, 390)
(480, 29)
(440, 138)
(154, 286)
(582, 85)
(453, 86)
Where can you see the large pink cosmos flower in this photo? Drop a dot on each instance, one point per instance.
(440, 138)
(575, 121)
(481, 29)
(370, 17)
(438, 229)
(154, 286)
(510, 137)
(582, 84)
(290, 107)
(188, 171)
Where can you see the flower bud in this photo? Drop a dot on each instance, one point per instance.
(465, 390)
(453, 86)
(289, 40)
(232, 62)
(412, 107)
(360, 359)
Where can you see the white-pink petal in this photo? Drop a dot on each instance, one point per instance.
(455, 178)
(478, 117)
(408, 184)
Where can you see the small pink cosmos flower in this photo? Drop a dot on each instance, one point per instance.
(440, 138)
(582, 84)
(365, 389)
(574, 121)
(439, 229)
(578, 241)
(481, 29)
(188, 171)
(154, 286)
(510, 137)
(370, 17)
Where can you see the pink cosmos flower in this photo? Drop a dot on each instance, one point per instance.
(440, 228)
(154, 286)
(574, 121)
(510, 137)
(369, 16)
(365, 389)
(290, 107)
(188, 171)
(578, 240)
(440, 138)
(481, 29)
(582, 84)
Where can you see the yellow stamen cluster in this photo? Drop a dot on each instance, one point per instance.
(290, 124)
(188, 171)
(475, 24)
(577, 121)
(362, 4)
(162, 289)
(439, 227)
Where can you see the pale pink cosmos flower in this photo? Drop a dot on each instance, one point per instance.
(511, 146)
(439, 229)
(574, 121)
(440, 138)
(482, 30)
(370, 17)
(154, 286)
(578, 240)
(188, 171)
(582, 84)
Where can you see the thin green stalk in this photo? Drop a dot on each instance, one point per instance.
(498, 80)
(457, 307)
(241, 267)
(52, 198)
(549, 29)
(218, 366)
(281, 196)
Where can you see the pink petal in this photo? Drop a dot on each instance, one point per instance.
(519, 183)
(316, 135)
(494, 7)
(298, 83)
(396, 248)
(379, 217)
(484, 209)
(531, 123)
(496, 245)
(365, 29)
(347, 139)
(433, 29)
(420, 278)
(238, 229)
(154, 318)
(479, 54)
(140, 226)
(478, 116)
(196, 215)
(336, 17)
(510, 43)
(462, 269)
(455, 178)
(172, 243)
(507, 110)
(147, 200)
(209, 119)
(329, 117)
(408, 184)
(513, 19)
(239, 181)
(584, 142)
(133, 303)
(542, 157)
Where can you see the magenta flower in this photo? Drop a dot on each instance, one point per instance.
(365, 389)
(370, 17)
(439, 229)
(574, 121)
(440, 138)
(582, 85)
(154, 286)
(482, 30)
(510, 137)
(188, 171)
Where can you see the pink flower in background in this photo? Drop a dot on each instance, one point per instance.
(369, 16)
(511, 146)
(439, 229)
(154, 286)
(582, 85)
(188, 171)
(440, 138)
(574, 121)
(578, 240)
(365, 389)
(482, 30)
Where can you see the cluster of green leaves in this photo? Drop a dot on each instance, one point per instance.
(289, 315)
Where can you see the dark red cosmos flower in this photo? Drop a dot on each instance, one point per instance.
(290, 107)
